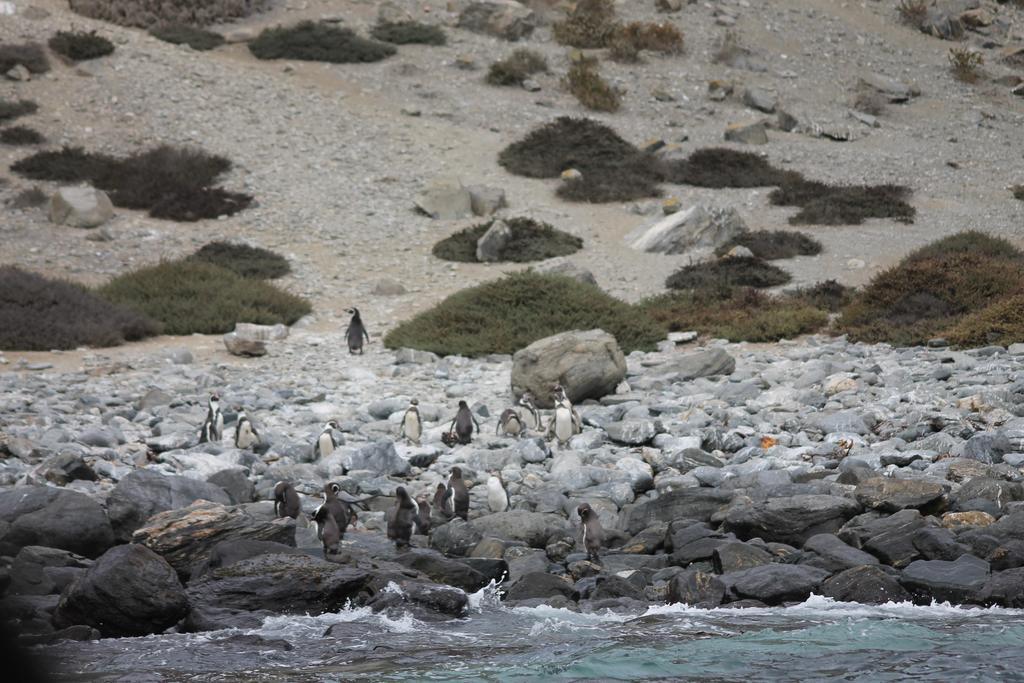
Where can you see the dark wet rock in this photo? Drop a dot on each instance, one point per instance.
(889, 538)
(891, 495)
(441, 569)
(55, 518)
(829, 552)
(648, 541)
(79, 633)
(456, 538)
(987, 447)
(208, 618)
(980, 543)
(957, 582)
(867, 584)
(129, 591)
(186, 537)
(773, 584)
(613, 587)
(227, 553)
(698, 550)
(245, 641)
(63, 468)
(143, 493)
(976, 492)
(733, 556)
(492, 569)
(236, 484)
(793, 519)
(1009, 555)
(937, 543)
(532, 528)
(36, 570)
(697, 588)
(1005, 589)
(692, 503)
(434, 598)
(539, 585)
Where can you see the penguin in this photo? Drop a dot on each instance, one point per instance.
(462, 424)
(246, 435)
(565, 423)
(401, 518)
(457, 495)
(441, 501)
(327, 530)
(526, 401)
(356, 332)
(412, 425)
(510, 423)
(325, 443)
(593, 534)
(336, 507)
(286, 500)
(423, 517)
(497, 498)
(213, 426)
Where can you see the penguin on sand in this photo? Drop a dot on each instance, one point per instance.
(412, 425)
(462, 424)
(356, 332)
(510, 423)
(457, 495)
(213, 427)
(286, 500)
(246, 436)
(423, 515)
(441, 501)
(401, 518)
(325, 443)
(327, 530)
(593, 534)
(566, 422)
(533, 422)
(497, 497)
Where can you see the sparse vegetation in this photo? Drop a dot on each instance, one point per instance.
(32, 56)
(662, 37)
(79, 46)
(182, 34)
(1001, 322)
(722, 167)
(517, 67)
(408, 33)
(585, 82)
(191, 296)
(531, 241)
(868, 101)
(965, 64)
(770, 245)
(728, 49)
(251, 262)
(39, 314)
(824, 204)
(913, 12)
(828, 295)
(149, 13)
(318, 42)
(726, 274)
(591, 24)
(506, 315)
(169, 182)
(29, 198)
(21, 135)
(10, 110)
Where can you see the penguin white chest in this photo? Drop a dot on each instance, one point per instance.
(497, 499)
(412, 425)
(326, 444)
(245, 436)
(563, 423)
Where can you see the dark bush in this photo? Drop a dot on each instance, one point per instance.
(21, 135)
(254, 262)
(506, 315)
(39, 314)
(1001, 322)
(517, 67)
(591, 24)
(725, 274)
(1018, 192)
(722, 167)
(79, 46)
(30, 55)
(634, 179)
(10, 110)
(824, 204)
(191, 296)
(531, 241)
(972, 242)
(318, 42)
(30, 198)
(770, 245)
(149, 13)
(181, 34)
(408, 33)
(828, 295)
(169, 182)
(585, 83)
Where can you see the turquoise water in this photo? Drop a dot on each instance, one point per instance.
(818, 640)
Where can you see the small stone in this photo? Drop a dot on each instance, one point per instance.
(739, 251)
(485, 200)
(388, 287)
(760, 99)
(530, 85)
(99, 235)
(855, 264)
(681, 337)
(749, 133)
(18, 73)
(571, 174)
(671, 205)
(445, 199)
(239, 345)
(491, 244)
(80, 207)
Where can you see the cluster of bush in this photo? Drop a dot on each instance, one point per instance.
(530, 240)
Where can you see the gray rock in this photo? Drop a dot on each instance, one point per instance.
(499, 18)
(563, 266)
(750, 133)
(793, 519)
(706, 363)
(832, 554)
(631, 432)
(695, 503)
(143, 493)
(958, 582)
(773, 584)
(388, 287)
(492, 243)
(733, 556)
(233, 551)
(936, 543)
(539, 585)
(240, 345)
(445, 199)
(235, 483)
(697, 227)
(80, 207)
(381, 458)
(54, 518)
(869, 585)
(456, 538)
(760, 99)
(441, 569)
(840, 422)
(891, 495)
(485, 200)
(171, 442)
(588, 364)
(894, 90)
(535, 529)
(1005, 589)
(30, 571)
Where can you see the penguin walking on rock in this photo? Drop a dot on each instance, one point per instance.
(457, 495)
(286, 500)
(246, 436)
(533, 415)
(592, 533)
(325, 443)
(510, 423)
(566, 422)
(401, 518)
(463, 423)
(497, 497)
(328, 531)
(442, 503)
(412, 425)
(356, 332)
(213, 427)
(422, 515)
(334, 506)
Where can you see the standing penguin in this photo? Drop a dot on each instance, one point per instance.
(441, 501)
(337, 508)
(457, 495)
(213, 426)
(286, 500)
(423, 515)
(510, 423)
(246, 435)
(356, 332)
(402, 517)
(412, 426)
(462, 424)
(593, 534)
(327, 530)
(533, 422)
(497, 498)
(565, 423)
(325, 443)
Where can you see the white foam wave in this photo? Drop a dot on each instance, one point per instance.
(487, 598)
(304, 626)
(403, 624)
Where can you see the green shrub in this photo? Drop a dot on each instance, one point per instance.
(531, 241)
(828, 295)
(506, 315)
(1001, 322)
(725, 274)
(770, 245)
(21, 135)
(30, 198)
(169, 182)
(722, 167)
(39, 314)
(79, 46)
(318, 42)
(148, 13)
(968, 242)
(10, 110)
(585, 83)
(253, 262)
(30, 55)
(741, 315)
(409, 33)
(824, 204)
(190, 296)
(591, 24)
(181, 34)
(517, 67)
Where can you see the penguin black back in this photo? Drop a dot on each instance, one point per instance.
(286, 500)
(356, 332)
(401, 518)
(463, 423)
(423, 515)
(338, 508)
(441, 501)
(458, 494)
(593, 533)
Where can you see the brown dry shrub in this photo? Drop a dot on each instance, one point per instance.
(149, 13)
(662, 37)
(584, 81)
(591, 24)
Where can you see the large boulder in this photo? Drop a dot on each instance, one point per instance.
(534, 529)
(697, 227)
(691, 503)
(456, 538)
(539, 585)
(80, 207)
(55, 518)
(957, 582)
(227, 553)
(1005, 589)
(867, 584)
(38, 570)
(792, 519)
(827, 551)
(705, 363)
(697, 588)
(143, 493)
(439, 568)
(381, 458)
(589, 364)
(499, 18)
(129, 591)
(775, 583)
(187, 536)
(891, 495)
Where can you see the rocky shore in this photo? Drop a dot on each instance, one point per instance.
(723, 474)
